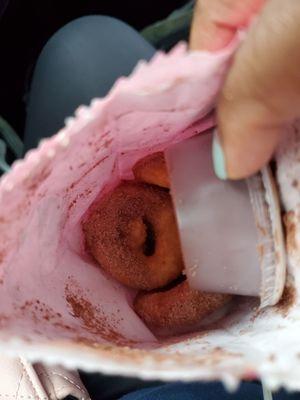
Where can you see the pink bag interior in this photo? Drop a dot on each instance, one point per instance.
(50, 288)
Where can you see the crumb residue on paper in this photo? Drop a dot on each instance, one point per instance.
(2, 256)
(40, 311)
(4, 319)
(272, 357)
(94, 319)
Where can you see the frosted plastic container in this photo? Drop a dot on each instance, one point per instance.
(225, 227)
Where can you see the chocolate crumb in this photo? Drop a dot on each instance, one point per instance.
(40, 312)
(272, 357)
(289, 220)
(261, 250)
(2, 256)
(287, 300)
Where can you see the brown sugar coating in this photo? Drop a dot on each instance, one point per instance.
(132, 233)
(178, 307)
(152, 169)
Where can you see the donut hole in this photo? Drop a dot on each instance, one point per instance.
(150, 240)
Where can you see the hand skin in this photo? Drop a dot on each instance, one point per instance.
(261, 94)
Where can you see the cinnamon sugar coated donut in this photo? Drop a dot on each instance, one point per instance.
(152, 169)
(132, 233)
(178, 307)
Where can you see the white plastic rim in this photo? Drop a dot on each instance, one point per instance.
(271, 247)
(231, 233)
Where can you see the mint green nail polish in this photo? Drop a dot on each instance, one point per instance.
(218, 157)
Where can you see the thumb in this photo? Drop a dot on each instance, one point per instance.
(261, 93)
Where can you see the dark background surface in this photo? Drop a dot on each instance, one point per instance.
(26, 25)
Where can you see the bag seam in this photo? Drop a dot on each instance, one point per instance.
(36, 396)
(44, 373)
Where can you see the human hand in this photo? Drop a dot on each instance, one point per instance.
(261, 93)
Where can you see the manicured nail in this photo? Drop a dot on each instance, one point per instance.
(218, 157)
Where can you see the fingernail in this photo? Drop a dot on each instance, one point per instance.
(218, 157)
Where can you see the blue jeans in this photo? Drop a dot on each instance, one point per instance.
(200, 391)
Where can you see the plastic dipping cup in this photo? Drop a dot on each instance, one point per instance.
(225, 248)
